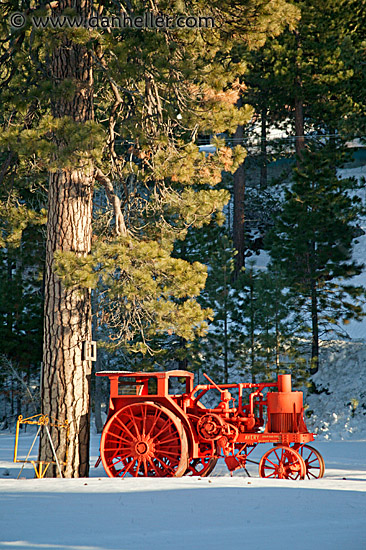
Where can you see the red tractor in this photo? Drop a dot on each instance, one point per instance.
(152, 430)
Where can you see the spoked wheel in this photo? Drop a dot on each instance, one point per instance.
(314, 462)
(201, 466)
(282, 462)
(144, 439)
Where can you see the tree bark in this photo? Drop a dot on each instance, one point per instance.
(239, 218)
(65, 391)
(263, 172)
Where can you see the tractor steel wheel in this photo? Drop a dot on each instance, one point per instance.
(201, 466)
(282, 462)
(314, 462)
(144, 439)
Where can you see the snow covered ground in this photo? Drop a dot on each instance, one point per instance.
(212, 513)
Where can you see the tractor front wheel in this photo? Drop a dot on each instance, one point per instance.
(314, 461)
(282, 462)
(144, 440)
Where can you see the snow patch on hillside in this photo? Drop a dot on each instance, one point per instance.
(338, 411)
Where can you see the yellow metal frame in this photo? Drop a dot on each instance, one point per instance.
(40, 466)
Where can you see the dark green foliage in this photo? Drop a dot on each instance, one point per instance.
(21, 303)
(314, 63)
(312, 242)
(215, 351)
(268, 326)
(21, 320)
(256, 329)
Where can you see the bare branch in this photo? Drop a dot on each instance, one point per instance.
(114, 200)
(6, 165)
(7, 365)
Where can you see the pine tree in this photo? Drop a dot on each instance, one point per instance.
(307, 69)
(266, 325)
(312, 243)
(21, 306)
(304, 83)
(216, 348)
(307, 77)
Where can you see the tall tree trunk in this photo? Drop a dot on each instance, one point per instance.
(299, 105)
(98, 398)
(263, 173)
(67, 319)
(252, 329)
(315, 329)
(239, 218)
(277, 347)
(226, 332)
(314, 366)
(278, 296)
(299, 127)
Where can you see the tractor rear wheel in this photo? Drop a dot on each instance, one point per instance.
(144, 439)
(282, 462)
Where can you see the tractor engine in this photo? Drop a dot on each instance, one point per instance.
(285, 408)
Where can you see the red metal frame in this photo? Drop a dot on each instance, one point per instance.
(153, 432)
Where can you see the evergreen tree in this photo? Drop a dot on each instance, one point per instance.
(308, 71)
(21, 306)
(303, 82)
(269, 325)
(312, 243)
(306, 77)
(216, 349)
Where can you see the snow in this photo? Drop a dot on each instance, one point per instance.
(186, 513)
(339, 407)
